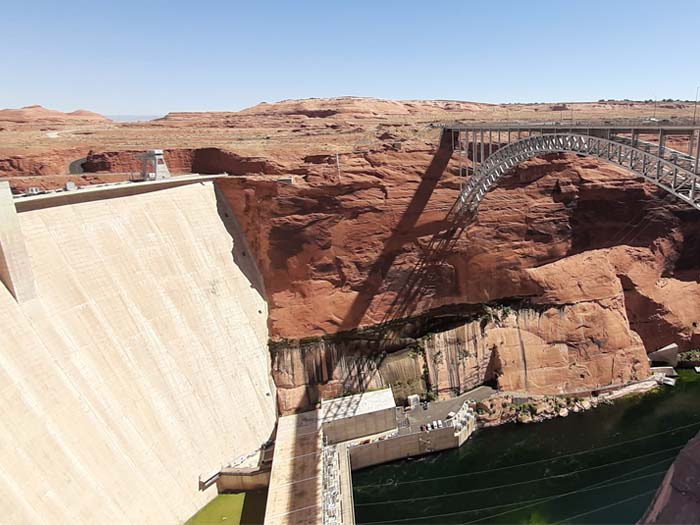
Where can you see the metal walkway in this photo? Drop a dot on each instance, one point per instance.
(487, 152)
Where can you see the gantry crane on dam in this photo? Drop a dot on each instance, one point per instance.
(488, 151)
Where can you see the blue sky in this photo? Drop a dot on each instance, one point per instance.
(151, 57)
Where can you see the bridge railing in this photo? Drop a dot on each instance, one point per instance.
(674, 177)
(476, 142)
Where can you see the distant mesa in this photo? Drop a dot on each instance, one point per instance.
(339, 107)
(40, 114)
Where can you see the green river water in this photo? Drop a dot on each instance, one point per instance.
(602, 466)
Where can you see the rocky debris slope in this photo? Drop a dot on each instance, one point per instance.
(506, 408)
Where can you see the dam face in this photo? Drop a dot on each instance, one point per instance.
(140, 363)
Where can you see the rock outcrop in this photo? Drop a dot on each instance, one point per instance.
(28, 165)
(678, 499)
(338, 254)
(591, 258)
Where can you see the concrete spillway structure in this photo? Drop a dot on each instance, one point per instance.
(136, 362)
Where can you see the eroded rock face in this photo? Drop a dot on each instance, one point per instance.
(461, 358)
(200, 160)
(28, 165)
(571, 348)
(336, 255)
(589, 254)
(678, 499)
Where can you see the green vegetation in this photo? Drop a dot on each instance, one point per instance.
(245, 508)
(690, 355)
(496, 313)
(225, 508)
(530, 408)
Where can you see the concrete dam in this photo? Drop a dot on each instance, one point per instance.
(134, 360)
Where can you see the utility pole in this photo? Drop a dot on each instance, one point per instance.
(695, 109)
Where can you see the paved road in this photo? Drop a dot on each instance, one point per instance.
(439, 409)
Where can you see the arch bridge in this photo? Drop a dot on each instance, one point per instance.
(488, 151)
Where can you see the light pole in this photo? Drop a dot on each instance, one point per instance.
(695, 109)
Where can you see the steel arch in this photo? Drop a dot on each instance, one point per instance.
(675, 179)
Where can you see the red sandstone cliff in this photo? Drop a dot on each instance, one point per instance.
(599, 256)
(678, 499)
(334, 255)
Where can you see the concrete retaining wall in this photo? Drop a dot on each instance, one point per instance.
(240, 482)
(346, 429)
(140, 364)
(402, 447)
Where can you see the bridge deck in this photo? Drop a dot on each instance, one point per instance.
(549, 127)
(486, 151)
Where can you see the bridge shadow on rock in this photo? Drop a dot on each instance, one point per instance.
(360, 371)
(425, 275)
(393, 245)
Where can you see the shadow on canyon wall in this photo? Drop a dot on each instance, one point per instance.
(240, 251)
(420, 278)
(394, 243)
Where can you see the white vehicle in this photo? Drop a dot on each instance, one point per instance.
(440, 425)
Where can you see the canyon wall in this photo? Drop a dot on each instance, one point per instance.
(537, 350)
(678, 499)
(141, 363)
(591, 257)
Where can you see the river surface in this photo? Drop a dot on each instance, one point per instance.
(602, 466)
